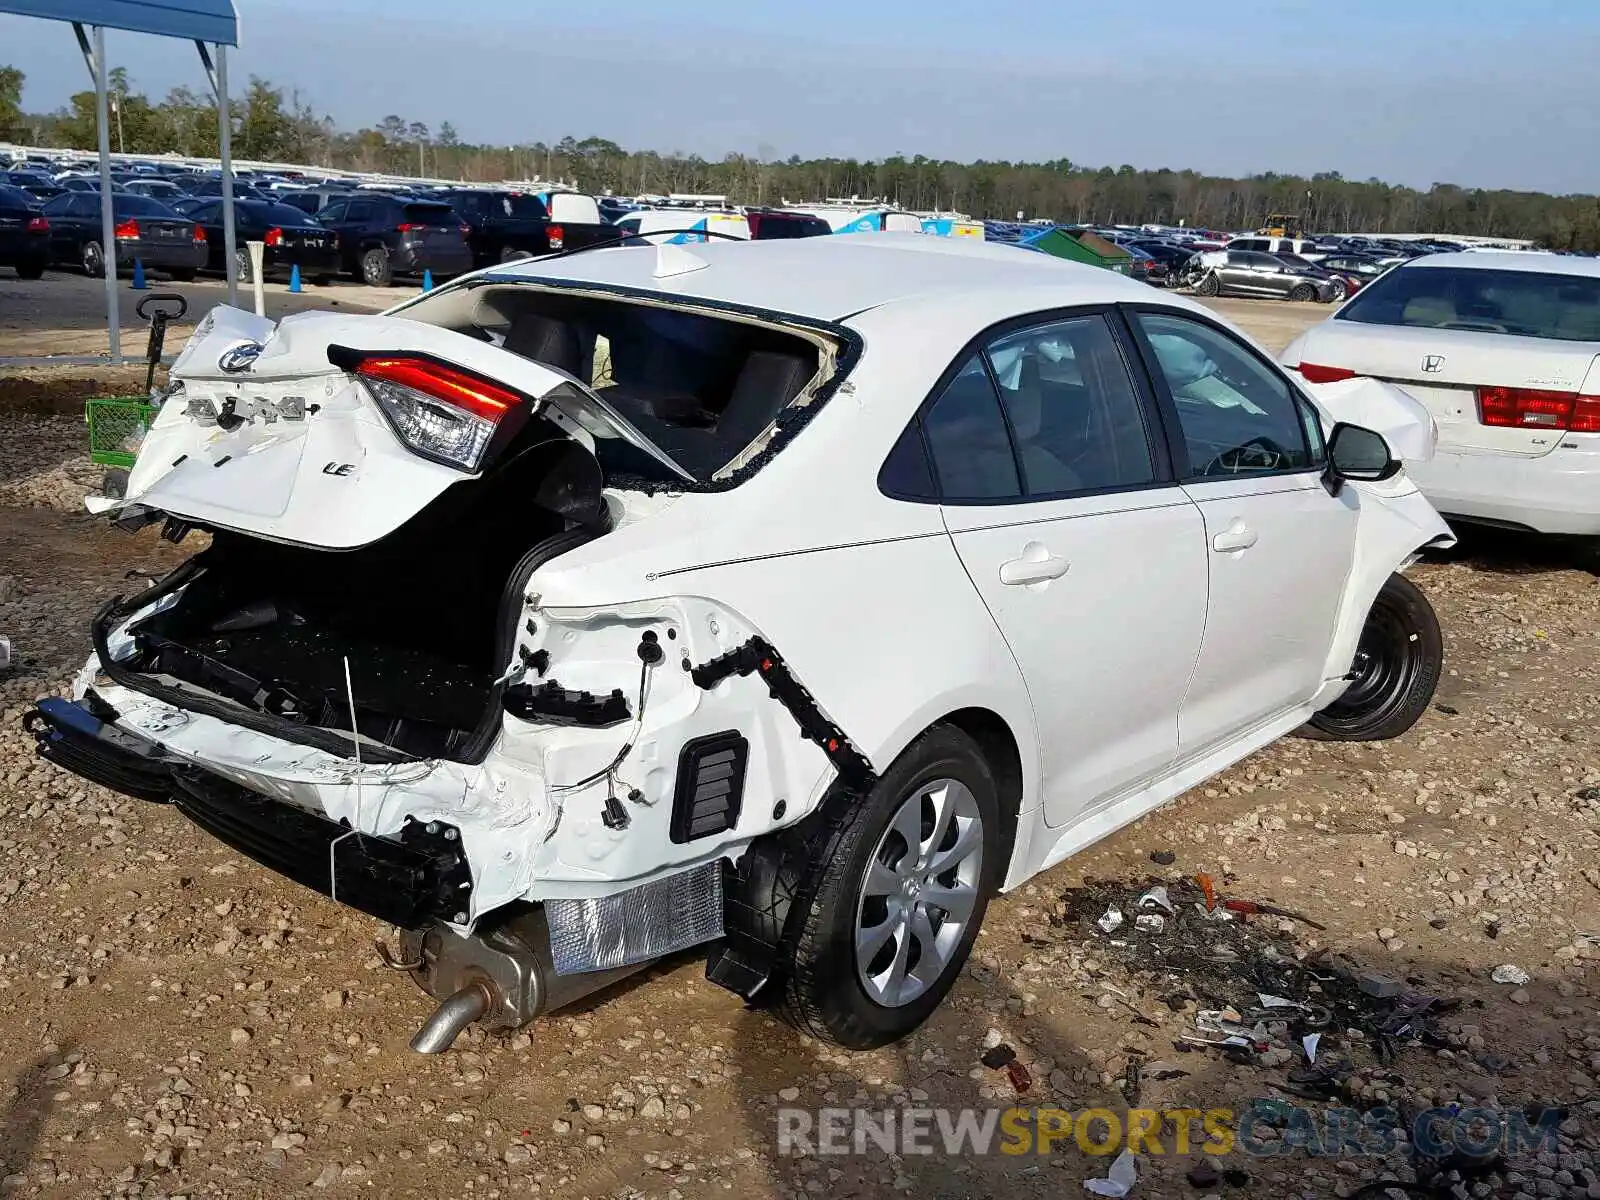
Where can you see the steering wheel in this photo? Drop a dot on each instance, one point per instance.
(1258, 454)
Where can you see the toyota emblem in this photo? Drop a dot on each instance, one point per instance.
(238, 358)
(1433, 364)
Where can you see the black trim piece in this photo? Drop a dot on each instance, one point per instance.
(758, 656)
(80, 739)
(710, 786)
(552, 704)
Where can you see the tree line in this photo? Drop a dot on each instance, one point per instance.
(271, 124)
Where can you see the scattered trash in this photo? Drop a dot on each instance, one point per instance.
(1112, 921)
(1119, 1180)
(1156, 897)
(1447, 710)
(1310, 1043)
(1234, 1177)
(1588, 793)
(1165, 858)
(1276, 1001)
(1132, 1080)
(5, 652)
(1252, 908)
(1021, 1080)
(1150, 923)
(1509, 973)
(1209, 887)
(1492, 930)
(999, 1057)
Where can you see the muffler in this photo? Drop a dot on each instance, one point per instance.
(501, 976)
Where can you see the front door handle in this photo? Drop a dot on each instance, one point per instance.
(1036, 565)
(1236, 537)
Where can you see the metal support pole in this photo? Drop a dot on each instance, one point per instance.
(218, 76)
(95, 57)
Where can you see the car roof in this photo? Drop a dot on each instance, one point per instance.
(1510, 260)
(830, 278)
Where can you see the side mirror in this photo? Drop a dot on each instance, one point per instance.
(1356, 453)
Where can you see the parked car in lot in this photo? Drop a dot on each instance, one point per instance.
(157, 189)
(553, 519)
(383, 236)
(1504, 350)
(1342, 284)
(1252, 273)
(289, 238)
(24, 233)
(146, 230)
(313, 200)
(504, 225)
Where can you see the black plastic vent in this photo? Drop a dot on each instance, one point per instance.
(710, 786)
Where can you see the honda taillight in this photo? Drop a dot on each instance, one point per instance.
(38, 225)
(199, 236)
(1532, 408)
(558, 237)
(1313, 373)
(127, 231)
(274, 237)
(442, 413)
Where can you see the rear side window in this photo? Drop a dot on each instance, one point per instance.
(968, 439)
(522, 207)
(1483, 300)
(434, 216)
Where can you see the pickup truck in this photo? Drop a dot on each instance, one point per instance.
(503, 226)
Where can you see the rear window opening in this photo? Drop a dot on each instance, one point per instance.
(704, 388)
(1483, 300)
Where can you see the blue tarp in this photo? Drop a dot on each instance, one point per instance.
(194, 20)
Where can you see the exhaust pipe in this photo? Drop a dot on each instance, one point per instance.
(501, 976)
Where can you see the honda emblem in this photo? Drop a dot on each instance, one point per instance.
(1432, 364)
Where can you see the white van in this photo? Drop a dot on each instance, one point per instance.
(680, 226)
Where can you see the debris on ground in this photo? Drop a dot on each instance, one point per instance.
(1119, 1180)
(1165, 858)
(1509, 973)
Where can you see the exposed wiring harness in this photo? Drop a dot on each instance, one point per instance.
(615, 815)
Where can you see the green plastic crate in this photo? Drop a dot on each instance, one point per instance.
(117, 424)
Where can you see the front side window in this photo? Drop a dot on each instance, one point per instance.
(1075, 418)
(1237, 415)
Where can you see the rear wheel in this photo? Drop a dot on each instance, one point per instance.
(899, 882)
(1303, 292)
(94, 260)
(511, 254)
(375, 268)
(241, 265)
(1396, 668)
(32, 268)
(183, 274)
(1340, 291)
(1209, 286)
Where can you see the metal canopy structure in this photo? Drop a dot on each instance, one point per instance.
(206, 23)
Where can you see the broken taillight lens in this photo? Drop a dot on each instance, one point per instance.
(439, 412)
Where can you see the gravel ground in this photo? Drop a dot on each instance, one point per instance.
(179, 1022)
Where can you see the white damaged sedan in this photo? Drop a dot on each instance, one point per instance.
(790, 597)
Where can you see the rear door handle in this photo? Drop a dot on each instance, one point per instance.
(1237, 536)
(1037, 565)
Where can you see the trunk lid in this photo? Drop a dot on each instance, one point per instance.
(268, 437)
(1444, 368)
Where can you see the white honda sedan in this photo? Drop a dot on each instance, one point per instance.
(791, 597)
(1504, 350)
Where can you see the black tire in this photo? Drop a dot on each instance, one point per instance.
(512, 254)
(375, 268)
(1303, 292)
(1397, 666)
(823, 992)
(1209, 286)
(183, 274)
(93, 258)
(31, 268)
(1340, 292)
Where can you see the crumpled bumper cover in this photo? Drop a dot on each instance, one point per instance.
(410, 880)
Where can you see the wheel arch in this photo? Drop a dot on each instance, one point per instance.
(1004, 755)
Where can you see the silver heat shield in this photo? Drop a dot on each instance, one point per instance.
(637, 925)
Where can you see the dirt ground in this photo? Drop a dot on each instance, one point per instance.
(178, 1022)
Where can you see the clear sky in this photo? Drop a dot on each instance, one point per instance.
(1493, 93)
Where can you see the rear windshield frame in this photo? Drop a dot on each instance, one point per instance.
(1446, 285)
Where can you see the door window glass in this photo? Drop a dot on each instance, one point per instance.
(1076, 420)
(1237, 415)
(967, 437)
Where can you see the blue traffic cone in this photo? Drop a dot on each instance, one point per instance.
(139, 285)
(427, 281)
(294, 280)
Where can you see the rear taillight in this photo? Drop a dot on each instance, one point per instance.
(274, 237)
(1314, 373)
(558, 237)
(1532, 408)
(408, 227)
(466, 230)
(127, 231)
(38, 225)
(199, 236)
(441, 413)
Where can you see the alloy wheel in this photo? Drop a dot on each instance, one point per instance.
(919, 892)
